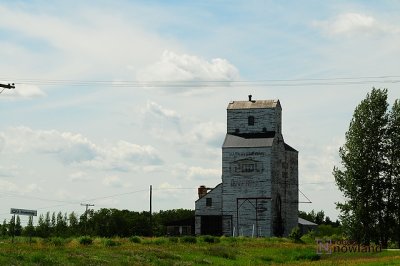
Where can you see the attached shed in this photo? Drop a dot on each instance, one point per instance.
(306, 226)
(181, 227)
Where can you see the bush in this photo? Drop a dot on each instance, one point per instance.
(189, 239)
(173, 239)
(111, 243)
(57, 241)
(85, 240)
(295, 235)
(229, 239)
(211, 239)
(135, 239)
(158, 241)
(328, 230)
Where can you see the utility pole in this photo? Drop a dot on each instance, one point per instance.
(86, 212)
(7, 86)
(151, 218)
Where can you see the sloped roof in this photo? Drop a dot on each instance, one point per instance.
(215, 189)
(289, 148)
(256, 104)
(305, 222)
(249, 140)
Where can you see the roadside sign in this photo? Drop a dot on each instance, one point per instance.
(23, 212)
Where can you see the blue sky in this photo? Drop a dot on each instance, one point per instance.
(116, 96)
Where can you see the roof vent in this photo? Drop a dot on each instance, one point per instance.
(250, 97)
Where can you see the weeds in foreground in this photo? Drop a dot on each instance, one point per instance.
(190, 250)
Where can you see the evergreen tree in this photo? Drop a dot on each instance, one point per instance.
(362, 179)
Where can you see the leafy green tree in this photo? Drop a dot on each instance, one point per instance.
(73, 224)
(361, 176)
(11, 225)
(43, 228)
(61, 225)
(393, 168)
(29, 229)
(4, 228)
(40, 226)
(319, 217)
(53, 223)
(18, 227)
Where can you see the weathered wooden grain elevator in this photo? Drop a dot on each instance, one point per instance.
(258, 195)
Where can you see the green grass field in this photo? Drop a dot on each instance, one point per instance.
(178, 251)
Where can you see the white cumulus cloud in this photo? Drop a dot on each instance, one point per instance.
(355, 23)
(174, 67)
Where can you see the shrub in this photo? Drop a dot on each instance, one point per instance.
(211, 239)
(57, 241)
(328, 230)
(295, 235)
(111, 243)
(159, 241)
(135, 239)
(173, 239)
(229, 239)
(189, 239)
(85, 240)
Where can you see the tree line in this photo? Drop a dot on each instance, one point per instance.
(318, 218)
(103, 223)
(369, 175)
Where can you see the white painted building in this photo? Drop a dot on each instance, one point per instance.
(258, 195)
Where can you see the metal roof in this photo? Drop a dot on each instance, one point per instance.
(289, 148)
(305, 222)
(256, 104)
(233, 141)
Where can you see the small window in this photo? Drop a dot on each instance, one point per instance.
(250, 120)
(208, 202)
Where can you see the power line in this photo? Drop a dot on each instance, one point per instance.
(337, 81)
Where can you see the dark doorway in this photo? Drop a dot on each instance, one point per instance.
(211, 225)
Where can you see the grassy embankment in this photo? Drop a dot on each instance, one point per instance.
(182, 251)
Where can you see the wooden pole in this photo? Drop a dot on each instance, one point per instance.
(151, 218)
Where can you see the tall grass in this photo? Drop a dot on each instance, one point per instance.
(175, 251)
